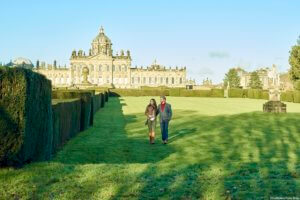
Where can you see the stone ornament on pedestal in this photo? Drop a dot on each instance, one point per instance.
(274, 104)
(85, 73)
(226, 91)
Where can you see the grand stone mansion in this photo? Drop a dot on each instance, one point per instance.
(270, 77)
(103, 68)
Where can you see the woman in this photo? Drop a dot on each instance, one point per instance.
(150, 112)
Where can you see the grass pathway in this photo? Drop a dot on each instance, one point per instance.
(220, 149)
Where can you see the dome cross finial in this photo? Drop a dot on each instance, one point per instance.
(155, 62)
(101, 29)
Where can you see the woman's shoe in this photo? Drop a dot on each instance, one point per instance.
(152, 142)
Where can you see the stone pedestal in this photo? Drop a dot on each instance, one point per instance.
(275, 107)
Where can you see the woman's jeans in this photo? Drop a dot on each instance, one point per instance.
(164, 129)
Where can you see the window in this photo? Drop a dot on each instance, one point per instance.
(155, 80)
(100, 68)
(120, 69)
(173, 80)
(144, 80)
(107, 68)
(125, 68)
(113, 68)
(167, 80)
(139, 79)
(150, 81)
(161, 80)
(132, 80)
(180, 80)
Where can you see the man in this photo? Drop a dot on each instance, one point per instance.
(164, 111)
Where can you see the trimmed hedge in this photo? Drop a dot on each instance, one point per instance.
(66, 121)
(168, 92)
(86, 104)
(235, 93)
(25, 116)
(97, 101)
(137, 92)
(287, 96)
(255, 94)
(296, 95)
(258, 94)
(217, 93)
(174, 92)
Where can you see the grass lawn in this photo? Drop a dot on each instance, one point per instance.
(218, 149)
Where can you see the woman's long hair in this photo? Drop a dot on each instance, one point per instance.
(154, 106)
(154, 103)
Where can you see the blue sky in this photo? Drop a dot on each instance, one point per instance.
(208, 37)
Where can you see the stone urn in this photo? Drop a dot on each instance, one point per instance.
(274, 104)
(85, 73)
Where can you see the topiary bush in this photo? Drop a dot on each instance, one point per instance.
(26, 116)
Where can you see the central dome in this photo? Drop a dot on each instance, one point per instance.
(101, 44)
(101, 38)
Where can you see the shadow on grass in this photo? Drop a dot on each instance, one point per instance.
(243, 156)
(109, 141)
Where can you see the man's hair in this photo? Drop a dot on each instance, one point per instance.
(163, 97)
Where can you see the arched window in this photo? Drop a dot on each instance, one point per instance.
(167, 80)
(173, 80)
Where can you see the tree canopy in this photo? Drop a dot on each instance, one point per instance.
(294, 61)
(232, 78)
(255, 82)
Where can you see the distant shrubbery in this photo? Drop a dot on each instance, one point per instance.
(179, 92)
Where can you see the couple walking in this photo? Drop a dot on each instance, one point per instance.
(164, 111)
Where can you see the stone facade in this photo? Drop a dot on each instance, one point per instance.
(107, 69)
(269, 77)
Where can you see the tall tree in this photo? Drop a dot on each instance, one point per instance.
(255, 82)
(294, 61)
(233, 78)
